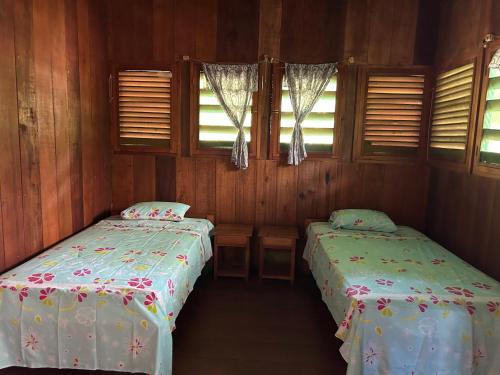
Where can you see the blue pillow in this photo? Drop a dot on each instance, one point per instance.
(360, 219)
(166, 211)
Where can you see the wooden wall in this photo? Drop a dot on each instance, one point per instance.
(464, 210)
(373, 31)
(54, 136)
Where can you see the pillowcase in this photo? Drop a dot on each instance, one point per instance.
(171, 211)
(362, 220)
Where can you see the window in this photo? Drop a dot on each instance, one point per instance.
(143, 110)
(215, 128)
(490, 141)
(488, 137)
(391, 113)
(318, 128)
(212, 130)
(451, 113)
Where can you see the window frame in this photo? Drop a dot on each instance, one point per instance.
(479, 168)
(275, 153)
(463, 164)
(173, 147)
(361, 93)
(194, 106)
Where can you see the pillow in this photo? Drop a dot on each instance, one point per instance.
(171, 211)
(362, 220)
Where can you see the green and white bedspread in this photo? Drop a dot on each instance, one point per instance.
(106, 298)
(405, 305)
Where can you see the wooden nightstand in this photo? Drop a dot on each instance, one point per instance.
(282, 238)
(236, 236)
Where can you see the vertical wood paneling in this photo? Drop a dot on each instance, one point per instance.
(462, 213)
(144, 173)
(237, 30)
(10, 173)
(205, 179)
(45, 117)
(74, 116)
(41, 176)
(265, 199)
(286, 195)
(165, 178)
(61, 118)
(122, 181)
(28, 127)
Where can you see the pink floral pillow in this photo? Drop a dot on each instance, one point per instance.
(359, 219)
(166, 211)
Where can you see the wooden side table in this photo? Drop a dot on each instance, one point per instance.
(282, 238)
(232, 235)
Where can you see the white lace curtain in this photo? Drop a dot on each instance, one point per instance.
(495, 60)
(234, 85)
(306, 83)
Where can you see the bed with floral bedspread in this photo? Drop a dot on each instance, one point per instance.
(404, 304)
(106, 298)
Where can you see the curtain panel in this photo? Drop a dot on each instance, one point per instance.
(306, 83)
(234, 85)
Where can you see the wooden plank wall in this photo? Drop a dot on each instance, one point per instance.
(54, 137)
(463, 210)
(373, 31)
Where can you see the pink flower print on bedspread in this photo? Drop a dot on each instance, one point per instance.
(467, 305)
(384, 282)
(357, 259)
(422, 306)
(481, 285)
(31, 341)
(104, 250)
(357, 290)
(23, 292)
(154, 213)
(40, 278)
(150, 302)
(494, 307)
(383, 306)
(80, 293)
(159, 253)
(183, 259)
(82, 272)
(45, 294)
(127, 296)
(171, 287)
(99, 280)
(460, 291)
(140, 282)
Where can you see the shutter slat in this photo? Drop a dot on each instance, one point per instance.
(393, 110)
(451, 108)
(448, 145)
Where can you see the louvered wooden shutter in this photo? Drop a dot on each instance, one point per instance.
(393, 112)
(144, 107)
(318, 127)
(451, 108)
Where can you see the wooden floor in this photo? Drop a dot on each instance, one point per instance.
(230, 327)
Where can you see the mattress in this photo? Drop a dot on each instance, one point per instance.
(106, 298)
(404, 304)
